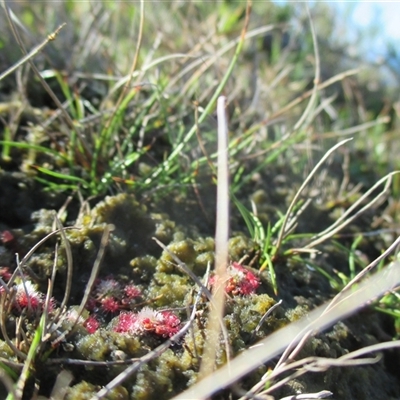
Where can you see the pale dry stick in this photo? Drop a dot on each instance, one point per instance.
(292, 222)
(367, 269)
(324, 105)
(307, 94)
(300, 367)
(278, 115)
(301, 123)
(221, 244)
(33, 52)
(119, 379)
(263, 318)
(358, 128)
(89, 363)
(275, 343)
(49, 293)
(338, 225)
(4, 311)
(63, 380)
(298, 193)
(185, 269)
(309, 396)
(68, 253)
(202, 287)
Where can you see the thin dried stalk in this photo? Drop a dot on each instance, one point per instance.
(221, 245)
(36, 50)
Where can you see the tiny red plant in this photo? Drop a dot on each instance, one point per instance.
(7, 237)
(126, 323)
(110, 304)
(27, 296)
(5, 273)
(161, 323)
(91, 324)
(241, 281)
(131, 291)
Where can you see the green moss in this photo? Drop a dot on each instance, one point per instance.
(243, 316)
(239, 245)
(183, 249)
(162, 379)
(169, 289)
(103, 344)
(85, 391)
(6, 351)
(144, 267)
(294, 314)
(165, 228)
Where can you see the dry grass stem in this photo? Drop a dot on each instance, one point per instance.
(221, 245)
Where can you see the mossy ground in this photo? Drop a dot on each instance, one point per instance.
(179, 211)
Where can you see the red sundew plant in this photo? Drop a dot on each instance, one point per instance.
(161, 323)
(7, 237)
(110, 304)
(27, 296)
(5, 273)
(111, 296)
(241, 281)
(131, 291)
(91, 324)
(107, 287)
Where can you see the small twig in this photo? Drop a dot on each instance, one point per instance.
(264, 317)
(68, 253)
(307, 396)
(49, 293)
(33, 52)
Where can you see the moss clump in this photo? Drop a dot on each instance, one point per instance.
(239, 245)
(6, 351)
(103, 345)
(169, 289)
(183, 249)
(143, 268)
(85, 391)
(162, 379)
(243, 316)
